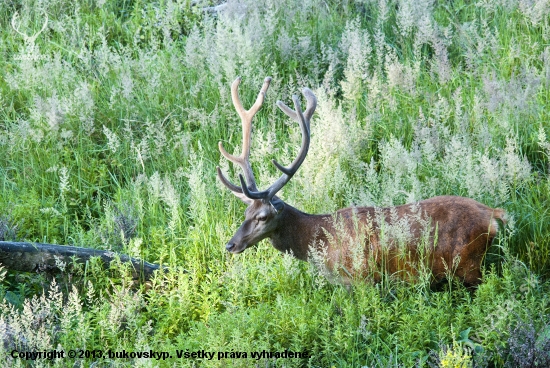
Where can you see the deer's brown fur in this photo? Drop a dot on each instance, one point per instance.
(459, 231)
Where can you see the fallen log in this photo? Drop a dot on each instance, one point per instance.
(40, 257)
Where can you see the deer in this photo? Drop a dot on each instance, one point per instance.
(447, 236)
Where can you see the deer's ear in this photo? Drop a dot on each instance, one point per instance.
(278, 204)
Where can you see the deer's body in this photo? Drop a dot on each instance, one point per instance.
(447, 235)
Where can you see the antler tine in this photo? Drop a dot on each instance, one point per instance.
(227, 183)
(310, 107)
(288, 172)
(246, 120)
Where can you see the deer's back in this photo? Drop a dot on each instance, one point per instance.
(447, 234)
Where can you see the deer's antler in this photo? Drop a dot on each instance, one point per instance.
(248, 189)
(288, 172)
(246, 118)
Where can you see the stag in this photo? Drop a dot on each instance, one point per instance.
(445, 235)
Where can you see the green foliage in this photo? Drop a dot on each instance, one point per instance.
(109, 123)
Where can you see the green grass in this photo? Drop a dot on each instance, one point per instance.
(109, 125)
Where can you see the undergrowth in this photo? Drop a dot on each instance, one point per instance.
(109, 123)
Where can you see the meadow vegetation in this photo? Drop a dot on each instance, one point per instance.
(109, 124)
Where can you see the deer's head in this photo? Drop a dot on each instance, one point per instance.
(265, 209)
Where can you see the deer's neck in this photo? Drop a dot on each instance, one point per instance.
(297, 231)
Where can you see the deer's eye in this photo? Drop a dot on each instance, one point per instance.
(261, 218)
